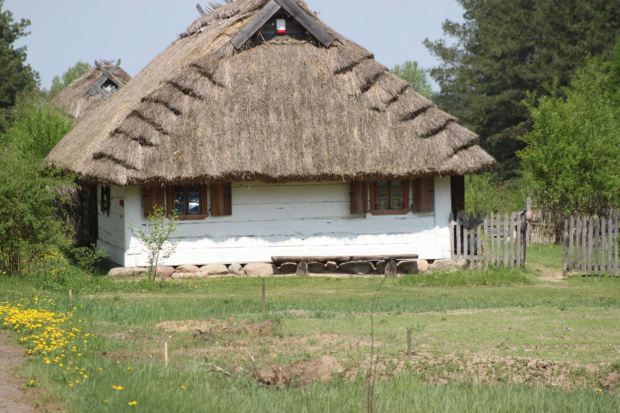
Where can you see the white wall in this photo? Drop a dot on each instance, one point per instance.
(112, 227)
(296, 219)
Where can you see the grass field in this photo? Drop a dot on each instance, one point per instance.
(501, 340)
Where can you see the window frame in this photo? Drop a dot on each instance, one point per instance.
(202, 199)
(405, 183)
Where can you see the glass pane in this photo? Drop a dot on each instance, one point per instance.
(179, 188)
(382, 195)
(180, 208)
(194, 202)
(194, 188)
(179, 198)
(397, 195)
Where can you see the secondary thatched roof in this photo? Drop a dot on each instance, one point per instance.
(275, 110)
(92, 88)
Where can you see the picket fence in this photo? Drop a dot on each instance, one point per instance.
(591, 244)
(490, 239)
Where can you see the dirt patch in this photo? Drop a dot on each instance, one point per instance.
(491, 369)
(210, 328)
(547, 274)
(301, 373)
(12, 398)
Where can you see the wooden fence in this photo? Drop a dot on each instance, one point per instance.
(591, 244)
(489, 240)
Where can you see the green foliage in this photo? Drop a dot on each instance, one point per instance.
(415, 76)
(614, 73)
(15, 75)
(28, 202)
(485, 193)
(573, 150)
(505, 49)
(88, 257)
(36, 127)
(70, 76)
(156, 236)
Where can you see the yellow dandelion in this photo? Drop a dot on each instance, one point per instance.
(133, 403)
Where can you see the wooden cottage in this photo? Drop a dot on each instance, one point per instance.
(272, 135)
(84, 94)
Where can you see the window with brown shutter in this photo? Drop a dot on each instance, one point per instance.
(424, 195)
(152, 197)
(389, 197)
(189, 201)
(358, 193)
(221, 199)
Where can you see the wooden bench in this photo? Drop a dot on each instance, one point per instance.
(302, 261)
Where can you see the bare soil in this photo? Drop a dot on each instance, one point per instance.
(12, 398)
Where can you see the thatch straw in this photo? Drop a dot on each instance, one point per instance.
(75, 99)
(284, 110)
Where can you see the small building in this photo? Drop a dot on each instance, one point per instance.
(272, 135)
(92, 88)
(87, 92)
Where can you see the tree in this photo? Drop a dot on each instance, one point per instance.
(504, 50)
(70, 76)
(36, 126)
(15, 75)
(415, 76)
(156, 236)
(28, 204)
(573, 150)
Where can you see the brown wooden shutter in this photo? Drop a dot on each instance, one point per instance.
(221, 200)
(359, 197)
(424, 195)
(457, 189)
(152, 196)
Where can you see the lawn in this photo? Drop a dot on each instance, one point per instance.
(501, 340)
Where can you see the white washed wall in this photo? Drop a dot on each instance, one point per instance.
(112, 228)
(296, 219)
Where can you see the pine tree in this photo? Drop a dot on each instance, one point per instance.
(504, 50)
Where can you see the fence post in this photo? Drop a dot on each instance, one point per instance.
(479, 255)
(617, 241)
(589, 242)
(452, 235)
(603, 269)
(565, 248)
(610, 243)
(459, 235)
(506, 232)
(519, 239)
(571, 230)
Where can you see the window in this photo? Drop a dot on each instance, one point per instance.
(105, 200)
(189, 201)
(389, 197)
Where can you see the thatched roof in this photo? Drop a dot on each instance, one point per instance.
(276, 109)
(92, 88)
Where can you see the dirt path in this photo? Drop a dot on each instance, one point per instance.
(546, 273)
(12, 398)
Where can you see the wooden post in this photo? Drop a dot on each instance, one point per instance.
(589, 242)
(577, 264)
(610, 243)
(498, 237)
(518, 240)
(565, 250)
(70, 295)
(409, 343)
(603, 269)
(479, 255)
(596, 242)
(459, 234)
(616, 224)
(263, 278)
(584, 247)
(490, 235)
(166, 355)
(302, 268)
(506, 232)
(571, 237)
(452, 236)
(390, 268)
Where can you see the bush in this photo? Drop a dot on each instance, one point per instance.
(28, 202)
